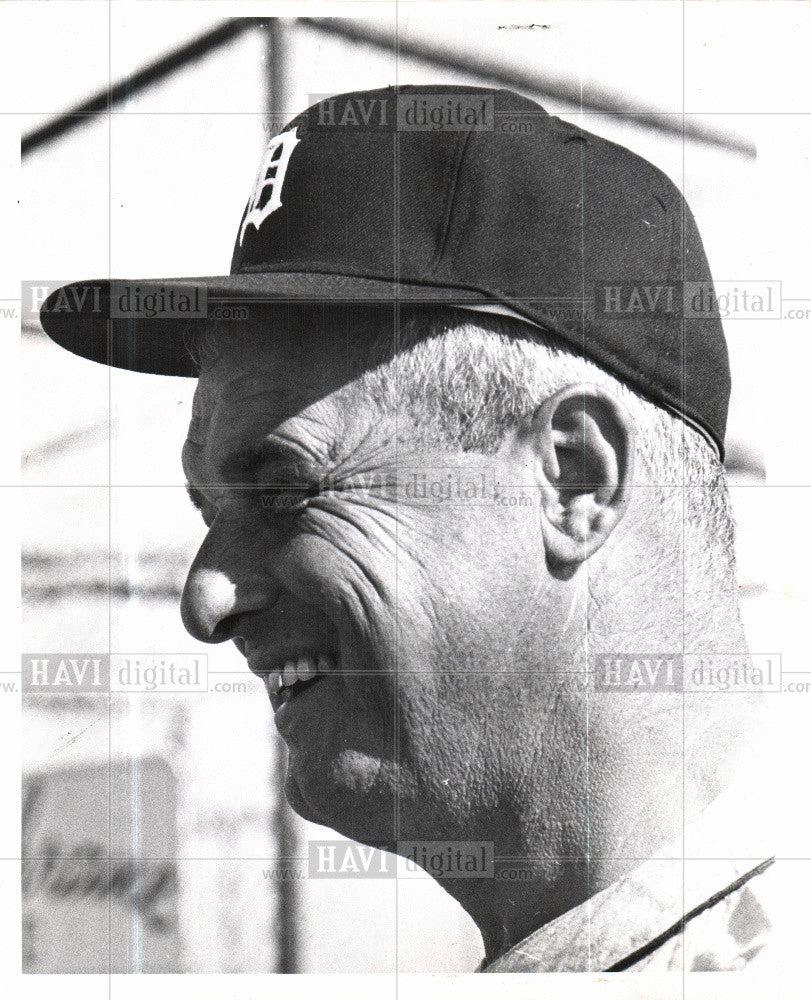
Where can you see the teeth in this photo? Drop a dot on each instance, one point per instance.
(302, 669)
(305, 668)
(280, 683)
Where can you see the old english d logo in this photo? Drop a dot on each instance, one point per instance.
(269, 180)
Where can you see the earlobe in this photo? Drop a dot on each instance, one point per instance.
(583, 441)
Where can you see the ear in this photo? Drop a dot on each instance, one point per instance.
(581, 446)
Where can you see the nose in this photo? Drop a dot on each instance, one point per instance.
(219, 589)
(208, 602)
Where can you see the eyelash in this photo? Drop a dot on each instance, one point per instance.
(281, 499)
(287, 499)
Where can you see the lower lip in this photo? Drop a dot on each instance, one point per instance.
(287, 712)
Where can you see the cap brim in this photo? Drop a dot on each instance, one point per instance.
(144, 325)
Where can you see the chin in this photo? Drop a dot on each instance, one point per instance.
(345, 799)
(298, 803)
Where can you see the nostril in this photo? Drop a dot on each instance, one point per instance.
(225, 629)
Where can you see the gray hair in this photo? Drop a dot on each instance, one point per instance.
(466, 379)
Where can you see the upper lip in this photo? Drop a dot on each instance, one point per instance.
(265, 661)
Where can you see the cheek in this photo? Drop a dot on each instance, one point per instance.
(357, 566)
(452, 743)
(482, 571)
(433, 591)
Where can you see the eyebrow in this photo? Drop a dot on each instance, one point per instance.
(240, 467)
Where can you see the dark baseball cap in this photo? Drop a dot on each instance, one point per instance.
(463, 196)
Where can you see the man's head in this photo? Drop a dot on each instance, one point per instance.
(455, 513)
(433, 519)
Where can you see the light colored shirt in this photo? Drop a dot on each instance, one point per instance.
(691, 908)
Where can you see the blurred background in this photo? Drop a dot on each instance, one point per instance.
(140, 147)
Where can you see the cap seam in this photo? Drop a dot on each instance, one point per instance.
(449, 206)
(661, 329)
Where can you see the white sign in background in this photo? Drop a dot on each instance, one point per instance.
(99, 875)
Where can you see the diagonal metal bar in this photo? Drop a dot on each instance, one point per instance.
(496, 72)
(152, 73)
(443, 57)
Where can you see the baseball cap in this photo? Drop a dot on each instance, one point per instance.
(471, 197)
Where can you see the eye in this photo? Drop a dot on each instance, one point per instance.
(286, 498)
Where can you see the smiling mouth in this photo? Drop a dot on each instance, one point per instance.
(296, 675)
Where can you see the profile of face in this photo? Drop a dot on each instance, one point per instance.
(409, 584)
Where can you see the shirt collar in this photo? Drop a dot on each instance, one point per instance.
(643, 905)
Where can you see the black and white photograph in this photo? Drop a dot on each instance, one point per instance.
(408, 468)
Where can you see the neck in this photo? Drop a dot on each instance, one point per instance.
(524, 897)
(640, 785)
